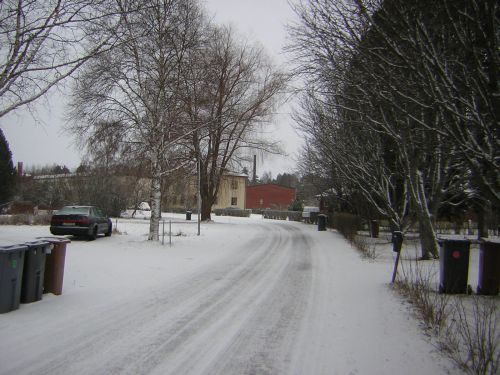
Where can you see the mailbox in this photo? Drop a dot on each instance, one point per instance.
(397, 241)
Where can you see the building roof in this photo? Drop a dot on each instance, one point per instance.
(263, 185)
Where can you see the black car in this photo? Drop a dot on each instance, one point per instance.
(87, 221)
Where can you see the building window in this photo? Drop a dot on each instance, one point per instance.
(234, 184)
(234, 201)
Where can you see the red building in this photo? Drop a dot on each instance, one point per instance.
(269, 196)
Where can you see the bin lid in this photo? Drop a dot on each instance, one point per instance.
(47, 246)
(37, 243)
(13, 248)
(490, 240)
(451, 240)
(55, 240)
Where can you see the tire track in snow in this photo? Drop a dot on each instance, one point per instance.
(265, 344)
(255, 331)
(135, 337)
(225, 329)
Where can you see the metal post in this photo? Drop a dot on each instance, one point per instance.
(397, 242)
(170, 231)
(199, 195)
(163, 234)
(395, 271)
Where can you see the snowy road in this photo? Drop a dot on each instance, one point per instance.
(257, 298)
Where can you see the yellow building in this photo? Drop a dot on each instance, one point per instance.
(182, 194)
(231, 191)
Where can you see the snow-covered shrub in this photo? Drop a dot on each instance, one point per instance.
(417, 285)
(472, 339)
(367, 248)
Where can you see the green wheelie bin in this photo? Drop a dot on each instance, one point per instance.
(11, 273)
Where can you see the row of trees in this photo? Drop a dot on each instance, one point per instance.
(402, 113)
(97, 186)
(156, 85)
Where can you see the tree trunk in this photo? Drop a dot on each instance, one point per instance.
(206, 209)
(482, 222)
(154, 222)
(206, 202)
(428, 241)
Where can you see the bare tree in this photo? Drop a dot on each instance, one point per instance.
(45, 41)
(232, 90)
(133, 93)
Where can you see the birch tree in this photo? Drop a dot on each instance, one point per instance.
(133, 92)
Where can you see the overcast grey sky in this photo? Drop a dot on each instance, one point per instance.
(43, 142)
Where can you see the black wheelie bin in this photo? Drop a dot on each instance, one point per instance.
(489, 268)
(454, 266)
(34, 270)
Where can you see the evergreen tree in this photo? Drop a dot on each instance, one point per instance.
(7, 171)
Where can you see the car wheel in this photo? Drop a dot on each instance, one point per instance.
(93, 234)
(110, 230)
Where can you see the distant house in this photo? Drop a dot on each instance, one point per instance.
(270, 196)
(182, 194)
(231, 191)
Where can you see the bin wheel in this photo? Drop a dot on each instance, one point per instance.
(93, 234)
(110, 230)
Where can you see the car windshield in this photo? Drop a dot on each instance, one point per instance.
(73, 211)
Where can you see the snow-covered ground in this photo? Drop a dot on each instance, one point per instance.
(247, 296)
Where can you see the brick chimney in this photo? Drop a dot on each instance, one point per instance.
(254, 179)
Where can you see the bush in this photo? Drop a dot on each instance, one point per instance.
(472, 339)
(25, 219)
(367, 249)
(347, 224)
(282, 215)
(232, 212)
